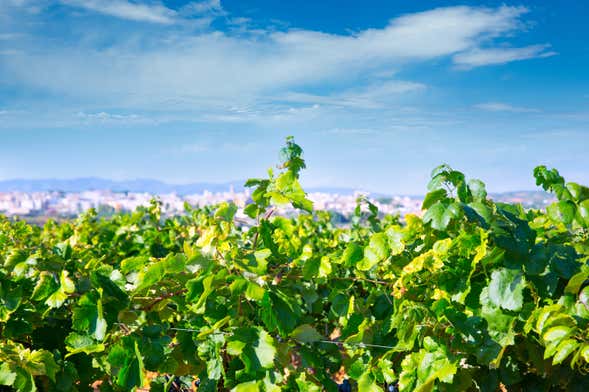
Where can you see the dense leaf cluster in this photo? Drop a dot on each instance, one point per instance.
(473, 296)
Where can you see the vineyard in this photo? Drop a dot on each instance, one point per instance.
(472, 296)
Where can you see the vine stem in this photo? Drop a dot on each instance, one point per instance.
(257, 236)
(353, 344)
(162, 297)
(348, 278)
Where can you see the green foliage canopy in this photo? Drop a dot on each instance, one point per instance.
(472, 295)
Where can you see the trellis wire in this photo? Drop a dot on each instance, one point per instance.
(361, 345)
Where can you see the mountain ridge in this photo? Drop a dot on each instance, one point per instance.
(147, 185)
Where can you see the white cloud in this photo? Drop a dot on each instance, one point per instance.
(372, 96)
(9, 36)
(176, 69)
(239, 21)
(479, 57)
(17, 3)
(503, 107)
(203, 7)
(27, 6)
(556, 133)
(262, 114)
(351, 131)
(112, 118)
(423, 35)
(196, 148)
(11, 112)
(9, 52)
(155, 13)
(191, 148)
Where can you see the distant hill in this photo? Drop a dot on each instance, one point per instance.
(93, 183)
(139, 185)
(160, 187)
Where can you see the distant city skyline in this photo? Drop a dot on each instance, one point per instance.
(376, 92)
(156, 187)
(45, 204)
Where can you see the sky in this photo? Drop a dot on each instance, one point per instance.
(377, 92)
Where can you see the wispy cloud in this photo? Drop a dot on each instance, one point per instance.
(480, 57)
(28, 6)
(504, 107)
(208, 7)
(192, 148)
(557, 133)
(239, 21)
(113, 118)
(263, 113)
(203, 147)
(242, 75)
(9, 52)
(220, 66)
(9, 36)
(372, 96)
(155, 13)
(351, 131)
(10, 112)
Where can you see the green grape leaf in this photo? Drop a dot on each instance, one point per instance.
(76, 343)
(128, 358)
(254, 346)
(226, 211)
(367, 383)
(562, 211)
(133, 264)
(477, 188)
(506, 289)
(578, 192)
(583, 213)
(88, 315)
(7, 376)
(395, 238)
(10, 300)
(306, 333)
(46, 285)
(433, 197)
(250, 386)
(440, 215)
(376, 251)
(66, 287)
(564, 349)
(352, 254)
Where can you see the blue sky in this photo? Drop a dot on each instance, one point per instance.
(377, 92)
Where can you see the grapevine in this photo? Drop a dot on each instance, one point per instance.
(472, 296)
